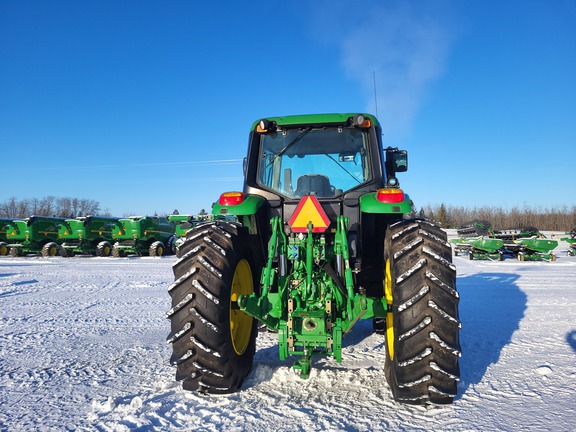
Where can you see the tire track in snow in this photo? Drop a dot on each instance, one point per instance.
(85, 324)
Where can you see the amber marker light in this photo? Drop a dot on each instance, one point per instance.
(231, 198)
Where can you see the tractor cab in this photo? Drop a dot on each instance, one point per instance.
(336, 158)
(307, 161)
(325, 160)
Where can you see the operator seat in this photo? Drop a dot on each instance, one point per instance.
(315, 184)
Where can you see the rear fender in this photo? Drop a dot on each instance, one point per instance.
(248, 207)
(369, 204)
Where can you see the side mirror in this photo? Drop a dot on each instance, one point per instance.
(400, 160)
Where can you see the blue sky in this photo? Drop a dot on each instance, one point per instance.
(145, 106)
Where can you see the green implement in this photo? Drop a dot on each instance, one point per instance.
(89, 235)
(479, 247)
(535, 248)
(143, 235)
(527, 244)
(33, 235)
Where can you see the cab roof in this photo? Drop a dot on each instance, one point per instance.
(307, 119)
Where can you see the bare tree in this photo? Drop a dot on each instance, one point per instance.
(47, 206)
(87, 207)
(64, 207)
(10, 208)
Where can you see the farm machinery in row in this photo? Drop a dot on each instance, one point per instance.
(479, 240)
(315, 242)
(93, 235)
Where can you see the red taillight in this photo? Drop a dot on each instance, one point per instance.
(231, 198)
(390, 196)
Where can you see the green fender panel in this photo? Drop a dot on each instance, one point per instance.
(369, 204)
(248, 207)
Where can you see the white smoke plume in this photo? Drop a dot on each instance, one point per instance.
(403, 44)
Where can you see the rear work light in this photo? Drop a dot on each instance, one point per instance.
(265, 126)
(360, 121)
(390, 196)
(231, 198)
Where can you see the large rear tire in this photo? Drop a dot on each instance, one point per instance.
(213, 342)
(422, 327)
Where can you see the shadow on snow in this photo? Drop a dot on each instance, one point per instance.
(491, 308)
(571, 339)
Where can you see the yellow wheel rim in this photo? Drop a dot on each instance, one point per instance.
(389, 315)
(240, 323)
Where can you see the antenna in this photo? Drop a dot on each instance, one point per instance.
(375, 98)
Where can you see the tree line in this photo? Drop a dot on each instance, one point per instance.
(561, 218)
(66, 207)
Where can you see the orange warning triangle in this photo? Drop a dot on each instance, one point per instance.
(309, 210)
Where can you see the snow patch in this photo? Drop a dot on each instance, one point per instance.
(544, 370)
(196, 283)
(439, 258)
(411, 271)
(412, 245)
(210, 267)
(412, 300)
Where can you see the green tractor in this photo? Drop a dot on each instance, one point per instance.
(143, 235)
(36, 234)
(91, 235)
(319, 242)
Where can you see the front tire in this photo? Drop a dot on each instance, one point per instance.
(66, 253)
(103, 249)
(156, 249)
(171, 245)
(213, 342)
(118, 252)
(50, 249)
(422, 326)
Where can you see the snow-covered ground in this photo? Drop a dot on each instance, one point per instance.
(82, 347)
